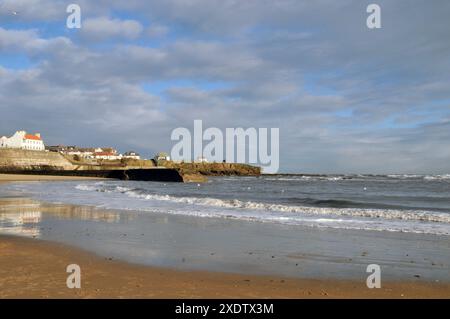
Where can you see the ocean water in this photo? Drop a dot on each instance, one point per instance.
(294, 226)
(394, 203)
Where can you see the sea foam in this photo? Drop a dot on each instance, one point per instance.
(387, 214)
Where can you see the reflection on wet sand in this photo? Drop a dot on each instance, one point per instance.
(22, 216)
(84, 213)
(22, 224)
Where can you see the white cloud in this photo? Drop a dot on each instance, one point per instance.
(32, 10)
(29, 41)
(102, 28)
(157, 30)
(345, 99)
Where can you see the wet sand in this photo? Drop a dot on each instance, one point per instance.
(37, 269)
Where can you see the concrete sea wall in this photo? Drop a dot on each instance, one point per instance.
(14, 159)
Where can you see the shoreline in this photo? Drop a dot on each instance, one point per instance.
(7, 178)
(36, 268)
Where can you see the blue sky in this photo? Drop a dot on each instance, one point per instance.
(346, 99)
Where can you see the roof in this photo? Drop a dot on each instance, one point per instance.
(32, 137)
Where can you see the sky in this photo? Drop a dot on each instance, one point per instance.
(346, 98)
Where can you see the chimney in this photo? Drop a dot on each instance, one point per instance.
(38, 135)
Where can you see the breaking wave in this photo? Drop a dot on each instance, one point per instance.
(337, 178)
(386, 214)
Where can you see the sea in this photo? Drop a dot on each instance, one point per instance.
(307, 226)
(394, 203)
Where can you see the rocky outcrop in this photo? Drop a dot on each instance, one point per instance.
(215, 169)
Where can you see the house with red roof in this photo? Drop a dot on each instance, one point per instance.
(23, 140)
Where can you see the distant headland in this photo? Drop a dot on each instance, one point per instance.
(24, 153)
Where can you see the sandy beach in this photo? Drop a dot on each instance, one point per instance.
(36, 268)
(39, 178)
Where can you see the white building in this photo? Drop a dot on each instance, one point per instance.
(132, 155)
(201, 159)
(80, 154)
(3, 140)
(162, 156)
(107, 154)
(24, 141)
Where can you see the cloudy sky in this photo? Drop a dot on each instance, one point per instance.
(347, 99)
